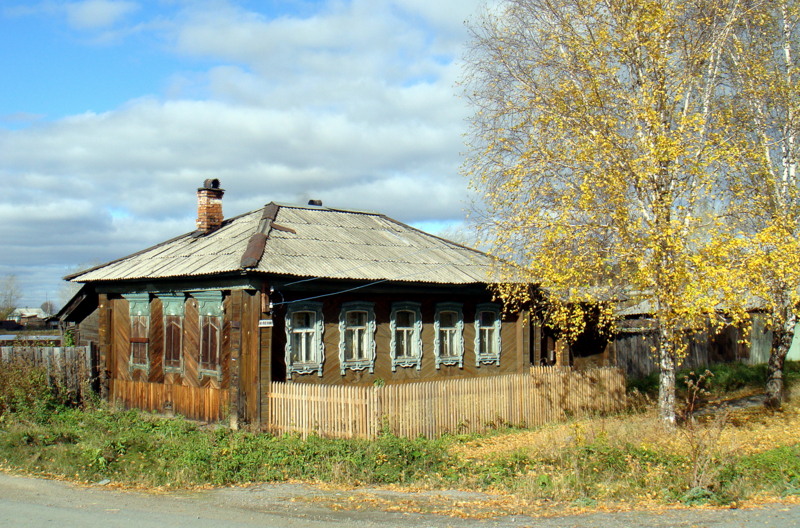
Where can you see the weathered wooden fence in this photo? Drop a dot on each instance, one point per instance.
(195, 403)
(68, 368)
(433, 408)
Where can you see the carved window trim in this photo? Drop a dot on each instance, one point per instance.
(487, 337)
(315, 330)
(174, 310)
(368, 333)
(413, 336)
(210, 310)
(139, 311)
(457, 331)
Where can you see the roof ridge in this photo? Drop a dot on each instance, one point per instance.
(327, 209)
(258, 240)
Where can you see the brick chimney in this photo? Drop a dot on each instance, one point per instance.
(209, 206)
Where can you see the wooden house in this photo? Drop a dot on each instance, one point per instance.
(632, 348)
(29, 318)
(305, 294)
(80, 318)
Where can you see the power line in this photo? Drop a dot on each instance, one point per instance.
(353, 288)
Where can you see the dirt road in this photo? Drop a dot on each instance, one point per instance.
(30, 502)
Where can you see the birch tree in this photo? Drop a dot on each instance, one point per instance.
(10, 295)
(764, 113)
(591, 149)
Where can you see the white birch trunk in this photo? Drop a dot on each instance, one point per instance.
(666, 380)
(782, 336)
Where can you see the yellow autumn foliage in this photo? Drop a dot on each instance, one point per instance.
(592, 149)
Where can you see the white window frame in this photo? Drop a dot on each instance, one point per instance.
(139, 306)
(455, 359)
(483, 357)
(415, 359)
(317, 346)
(367, 362)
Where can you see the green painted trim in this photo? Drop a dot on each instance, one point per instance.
(174, 303)
(209, 302)
(138, 303)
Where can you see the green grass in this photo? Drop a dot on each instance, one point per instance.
(727, 377)
(42, 432)
(144, 450)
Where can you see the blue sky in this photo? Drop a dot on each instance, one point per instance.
(113, 112)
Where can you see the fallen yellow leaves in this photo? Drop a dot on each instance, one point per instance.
(748, 431)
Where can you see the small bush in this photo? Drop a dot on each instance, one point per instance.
(25, 389)
(729, 377)
(505, 470)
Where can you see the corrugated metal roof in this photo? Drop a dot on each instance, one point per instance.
(319, 242)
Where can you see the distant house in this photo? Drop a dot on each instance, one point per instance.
(28, 316)
(300, 293)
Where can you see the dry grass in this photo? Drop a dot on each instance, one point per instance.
(747, 431)
(634, 459)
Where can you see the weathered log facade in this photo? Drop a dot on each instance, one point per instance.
(226, 390)
(200, 325)
(250, 355)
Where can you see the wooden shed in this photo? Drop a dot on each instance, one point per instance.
(308, 294)
(636, 340)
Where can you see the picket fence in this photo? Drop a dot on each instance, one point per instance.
(430, 409)
(68, 368)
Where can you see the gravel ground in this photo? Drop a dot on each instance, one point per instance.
(29, 502)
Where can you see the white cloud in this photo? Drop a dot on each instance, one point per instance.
(95, 14)
(354, 104)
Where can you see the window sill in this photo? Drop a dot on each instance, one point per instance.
(210, 373)
(304, 368)
(410, 362)
(488, 359)
(450, 361)
(358, 364)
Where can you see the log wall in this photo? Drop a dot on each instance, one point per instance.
(514, 357)
(230, 395)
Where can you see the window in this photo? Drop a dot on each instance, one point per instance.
(305, 351)
(357, 337)
(210, 338)
(487, 334)
(140, 327)
(406, 341)
(209, 306)
(173, 331)
(139, 310)
(303, 330)
(173, 308)
(448, 341)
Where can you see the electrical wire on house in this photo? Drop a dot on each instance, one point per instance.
(346, 290)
